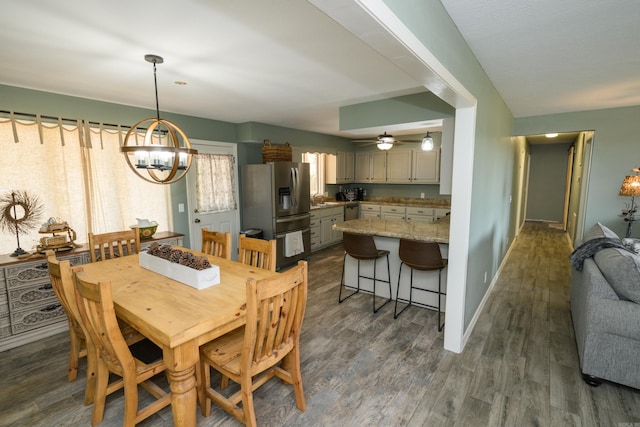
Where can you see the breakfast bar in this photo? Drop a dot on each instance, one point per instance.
(387, 235)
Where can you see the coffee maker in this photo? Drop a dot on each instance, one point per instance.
(359, 193)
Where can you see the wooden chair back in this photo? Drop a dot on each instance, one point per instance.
(275, 309)
(95, 304)
(96, 309)
(257, 252)
(251, 355)
(115, 244)
(216, 243)
(62, 282)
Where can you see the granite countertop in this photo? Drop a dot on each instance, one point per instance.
(333, 204)
(406, 201)
(395, 201)
(437, 231)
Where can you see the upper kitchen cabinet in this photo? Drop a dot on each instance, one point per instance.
(371, 166)
(340, 168)
(413, 166)
(399, 165)
(426, 167)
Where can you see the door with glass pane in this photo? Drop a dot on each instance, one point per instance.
(212, 192)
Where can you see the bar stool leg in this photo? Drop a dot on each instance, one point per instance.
(375, 310)
(440, 325)
(342, 281)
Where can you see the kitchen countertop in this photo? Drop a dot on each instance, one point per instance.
(437, 231)
(333, 204)
(395, 201)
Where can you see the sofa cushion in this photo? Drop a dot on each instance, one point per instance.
(600, 230)
(622, 270)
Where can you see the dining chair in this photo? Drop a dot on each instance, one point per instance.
(114, 244)
(216, 243)
(267, 346)
(362, 247)
(422, 256)
(62, 283)
(257, 252)
(97, 312)
(61, 276)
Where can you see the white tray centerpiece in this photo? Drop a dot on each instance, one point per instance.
(182, 266)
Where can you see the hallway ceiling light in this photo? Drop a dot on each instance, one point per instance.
(164, 155)
(551, 135)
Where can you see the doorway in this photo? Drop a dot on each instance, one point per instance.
(224, 220)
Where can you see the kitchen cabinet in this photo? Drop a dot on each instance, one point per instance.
(29, 308)
(426, 167)
(340, 168)
(322, 232)
(393, 212)
(439, 213)
(371, 166)
(416, 214)
(399, 166)
(369, 211)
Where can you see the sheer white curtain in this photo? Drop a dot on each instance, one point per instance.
(316, 171)
(216, 187)
(79, 176)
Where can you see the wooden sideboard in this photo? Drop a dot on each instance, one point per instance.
(29, 309)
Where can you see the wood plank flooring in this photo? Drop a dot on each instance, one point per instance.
(519, 368)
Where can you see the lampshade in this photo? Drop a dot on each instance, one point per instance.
(427, 143)
(385, 145)
(163, 154)
(630, 186)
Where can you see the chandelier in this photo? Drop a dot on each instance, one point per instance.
(163, 154)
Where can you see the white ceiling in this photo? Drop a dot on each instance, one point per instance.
(286, 63)
(550, 56)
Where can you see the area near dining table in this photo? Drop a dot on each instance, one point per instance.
(387, 235)
(177, 317)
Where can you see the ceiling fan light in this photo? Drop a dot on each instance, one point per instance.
(384, 145)
(427, 143)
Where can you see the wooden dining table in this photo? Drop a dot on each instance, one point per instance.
(177, 317)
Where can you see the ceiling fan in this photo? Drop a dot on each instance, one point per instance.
(385, 141)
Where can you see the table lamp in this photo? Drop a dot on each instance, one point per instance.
(630, 188)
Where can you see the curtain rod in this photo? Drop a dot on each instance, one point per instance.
(61, 118)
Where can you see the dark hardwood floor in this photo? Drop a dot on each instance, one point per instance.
(519, 368)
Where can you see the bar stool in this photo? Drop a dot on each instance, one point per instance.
(422, 256)
(362, 247)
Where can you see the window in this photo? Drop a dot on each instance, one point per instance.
(316, 171)
(218, 169)
(79, 176)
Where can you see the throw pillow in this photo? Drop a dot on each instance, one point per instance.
(622, 270)
(600, 230)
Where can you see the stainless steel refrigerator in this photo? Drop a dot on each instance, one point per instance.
(275, 199)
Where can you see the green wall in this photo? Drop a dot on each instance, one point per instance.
(495, 156)
(615, 151)
(547, 179)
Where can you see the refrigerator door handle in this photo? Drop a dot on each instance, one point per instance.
(282, 235)
(294, 186)
(293, 218)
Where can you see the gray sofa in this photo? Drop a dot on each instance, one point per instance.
(605, 307)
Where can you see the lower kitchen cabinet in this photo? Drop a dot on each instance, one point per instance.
(369, 211)
(415, 214)
(322, 232)
(29, 308)
(393, 212)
